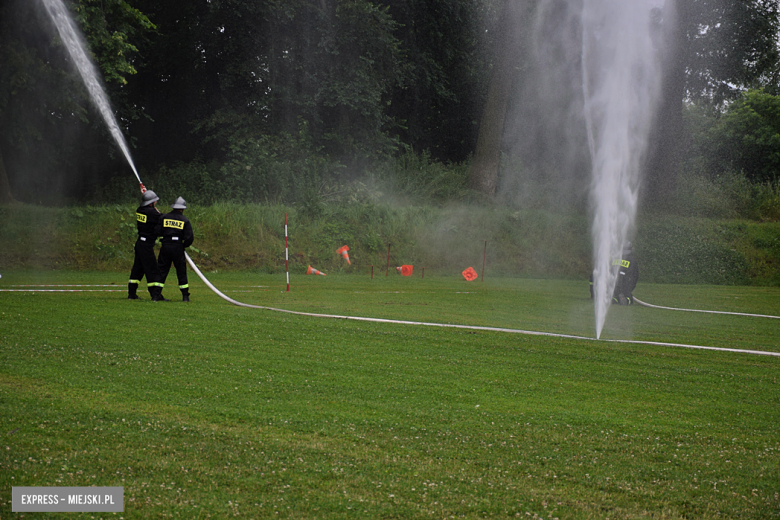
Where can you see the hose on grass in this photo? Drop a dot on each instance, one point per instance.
(640, 302)
(468, 327)
(217, 291)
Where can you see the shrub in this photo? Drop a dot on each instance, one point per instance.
(725, 196)
(689, 251)
(747, 136)
(416, 178)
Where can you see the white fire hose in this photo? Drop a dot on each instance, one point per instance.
(640, 302)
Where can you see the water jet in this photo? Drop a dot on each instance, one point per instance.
(620, 83)
(76, 48)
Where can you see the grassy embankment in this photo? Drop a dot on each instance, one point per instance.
(207, 410)
(444, 240)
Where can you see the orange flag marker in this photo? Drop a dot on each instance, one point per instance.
(470, 274)
(343, 252)
(312, 270)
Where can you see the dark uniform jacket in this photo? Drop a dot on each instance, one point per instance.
(149, 222)
(628, 275)
(176, 228)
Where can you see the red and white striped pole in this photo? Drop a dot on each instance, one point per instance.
(286, 254)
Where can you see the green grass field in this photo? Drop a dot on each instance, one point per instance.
(209, 410)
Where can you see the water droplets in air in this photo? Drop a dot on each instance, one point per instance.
(76, 49)
(621, 78)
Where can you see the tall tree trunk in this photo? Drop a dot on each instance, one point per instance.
(668, 136)
(5, 187)
(483, 176)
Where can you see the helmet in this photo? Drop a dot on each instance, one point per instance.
(179, 204)
(148, 197)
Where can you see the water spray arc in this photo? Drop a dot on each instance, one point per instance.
(76, 49)
(620, 86)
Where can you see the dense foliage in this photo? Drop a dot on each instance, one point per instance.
(295, 101)
(333, 85)
(746, 138)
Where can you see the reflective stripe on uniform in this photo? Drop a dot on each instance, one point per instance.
(135, 281)
(185, 286)
(155, 284)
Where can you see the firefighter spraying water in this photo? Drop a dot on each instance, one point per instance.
(148, 221)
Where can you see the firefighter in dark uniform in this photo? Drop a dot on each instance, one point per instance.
(628, 275)
(176, 235)
(149, 220)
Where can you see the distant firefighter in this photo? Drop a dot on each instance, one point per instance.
(176, 235)
(628, 275)
(148, 219)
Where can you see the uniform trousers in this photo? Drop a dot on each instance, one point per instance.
(173, 253)
(145, 263)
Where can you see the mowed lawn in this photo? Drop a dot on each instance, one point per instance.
(209, 410)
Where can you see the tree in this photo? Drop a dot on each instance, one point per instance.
(6, 197)
(445, 47)
(483, 176)
(728, 45)
(351, 73)
(545, 138)
(44, 108)
(33, 96)
(711, 51)
(747, 137)
(224, 73)
(667, 134)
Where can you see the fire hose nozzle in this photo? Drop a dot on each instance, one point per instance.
(143, 188)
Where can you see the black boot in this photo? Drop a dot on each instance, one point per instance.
(185, 295)
(131, 291)
(157, 294)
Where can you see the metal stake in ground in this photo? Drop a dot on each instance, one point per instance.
(484, 254)
(388, 260)
(286, 254)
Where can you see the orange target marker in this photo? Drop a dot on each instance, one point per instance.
(405, 270)
(470, 274)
